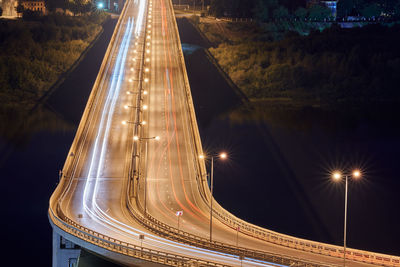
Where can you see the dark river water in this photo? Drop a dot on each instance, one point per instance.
(277, 175)
(281, 160)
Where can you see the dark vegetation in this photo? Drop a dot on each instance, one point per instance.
(271, 10)
(75, 6)
(34, 52)
(289, 53)
(350, 66)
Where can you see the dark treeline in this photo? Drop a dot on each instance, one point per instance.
(34, 53)
(359, 65)
(251, 8)
(267, 10)
(75, 7)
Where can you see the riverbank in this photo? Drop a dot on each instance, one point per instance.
(329, 69)
(35, 54)
(24, 92)
(34, 146)
(281, 158)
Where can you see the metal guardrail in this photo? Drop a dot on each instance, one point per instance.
(81, 134)
(172, 233)
(125, 248)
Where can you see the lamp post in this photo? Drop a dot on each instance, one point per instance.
(337, 176)
(179, 214)
(222, 156)
(137, 138)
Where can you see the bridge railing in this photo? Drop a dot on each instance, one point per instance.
(69, 226)
(164, 230)
(253, 230)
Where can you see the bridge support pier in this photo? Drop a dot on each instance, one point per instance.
(65, 253)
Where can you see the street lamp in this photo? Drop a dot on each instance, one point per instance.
(137, 138)
(337, 176)
(222, 156)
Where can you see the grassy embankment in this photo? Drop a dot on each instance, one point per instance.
(33, 54)
(355, 67)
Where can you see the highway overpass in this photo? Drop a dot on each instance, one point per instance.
(134, 166)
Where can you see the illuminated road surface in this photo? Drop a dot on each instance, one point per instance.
(96, 197)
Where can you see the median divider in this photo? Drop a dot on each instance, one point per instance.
(69, 226)
(172, 233)
(57, 217)
(166, 231)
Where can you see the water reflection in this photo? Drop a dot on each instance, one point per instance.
(189, 49)
(381, 121)
(18, 124)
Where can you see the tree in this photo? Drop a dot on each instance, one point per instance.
(77, 6)
(389, 6)
(319, 12)
(264, 9)
(88, 7)
(31, 15)
(20, 8)
(371, 11)
(246, 7)
(301, 13)
(292, 5)
(217, 8)
(51, 5)
(281, 13)
(397, 9)
(345, 7)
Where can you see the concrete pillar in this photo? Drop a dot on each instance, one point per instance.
(65, 253)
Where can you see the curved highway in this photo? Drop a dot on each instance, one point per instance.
(134, 166)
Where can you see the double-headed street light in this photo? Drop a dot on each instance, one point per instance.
(337, 176)
(222, 156)
(137, 138)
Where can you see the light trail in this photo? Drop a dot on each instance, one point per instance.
(106, 117)
(171, 125)
(139, 20)
(101, 141)
(98, 158)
